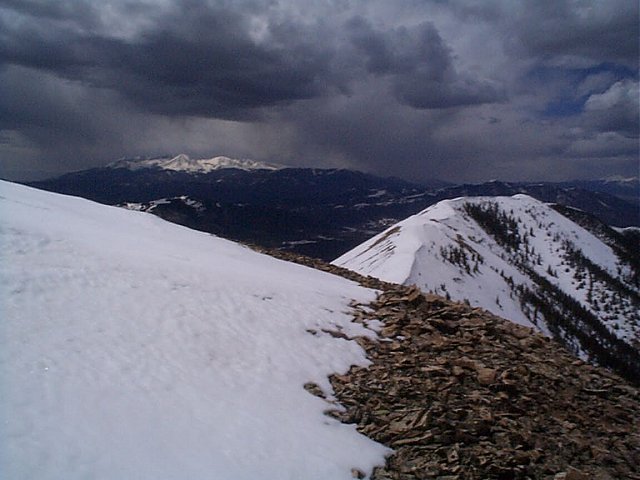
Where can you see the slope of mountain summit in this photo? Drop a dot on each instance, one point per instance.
(134, 348)
(520, 259)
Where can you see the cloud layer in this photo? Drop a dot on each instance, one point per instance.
(418, 89)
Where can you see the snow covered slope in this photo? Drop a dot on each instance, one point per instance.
(520, 259)
(135, 348)
(182, 163)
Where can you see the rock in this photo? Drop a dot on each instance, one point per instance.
(314, 389)
(486, 376)
(356, 473)
(452, 455)
(435, 370)
(414, 296)
(573, 474)
(419, 439)
(521, 332)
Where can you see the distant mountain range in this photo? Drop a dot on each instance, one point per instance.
(625, 188)
(317, 212)
(182, 163)
(525, 261)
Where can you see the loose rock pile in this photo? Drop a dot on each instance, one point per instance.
(459, 393)
(369, 282)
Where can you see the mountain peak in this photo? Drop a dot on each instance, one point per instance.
(183, 163)
(521, 259)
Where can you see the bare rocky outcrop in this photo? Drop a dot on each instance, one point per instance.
(459, 393)
(365, 281)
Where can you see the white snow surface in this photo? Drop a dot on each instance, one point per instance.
(133, 348)
(182, 163)
(411, 252)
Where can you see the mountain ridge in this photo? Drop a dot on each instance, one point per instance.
(520, 259)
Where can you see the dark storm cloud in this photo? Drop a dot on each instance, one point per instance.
(552, 30)
(598, 33)
(196, 60)
(76, 10)
(199, 59)
(419, 65)
(462, 90)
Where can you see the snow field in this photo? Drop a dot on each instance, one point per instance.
(137, 349)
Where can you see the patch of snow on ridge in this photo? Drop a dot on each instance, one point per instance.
(151, 206)
(131, 347)
(182, 163)
(620, 179)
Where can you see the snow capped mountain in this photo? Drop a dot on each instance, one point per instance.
(522, 260)
(182, 163)
(135, 348)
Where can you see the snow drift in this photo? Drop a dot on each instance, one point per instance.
(134, 348)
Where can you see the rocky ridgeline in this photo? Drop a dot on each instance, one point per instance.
(459, 393)
(365, 281)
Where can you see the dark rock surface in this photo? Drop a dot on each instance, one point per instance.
(460, 393)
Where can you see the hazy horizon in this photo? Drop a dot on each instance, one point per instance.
(34, 176)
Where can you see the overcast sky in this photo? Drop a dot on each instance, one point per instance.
(458, 90)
